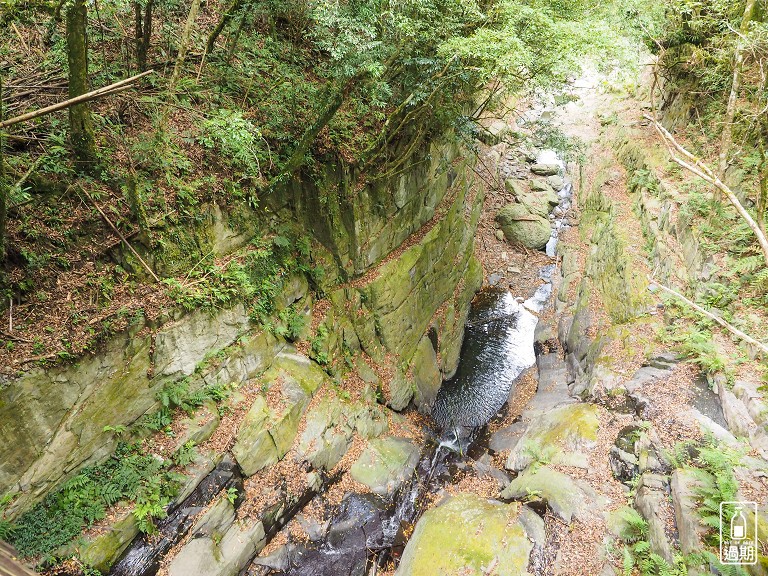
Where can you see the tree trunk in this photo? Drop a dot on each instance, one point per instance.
(699, 168)
(730, 113)
(184, 42)
(143, 33)
(762, 195)
(81, 127)
(298, 158)
(234, 40)
(234, 7)
(3, 185)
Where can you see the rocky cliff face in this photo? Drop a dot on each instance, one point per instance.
(409, 240)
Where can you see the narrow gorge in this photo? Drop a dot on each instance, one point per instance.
(376, 289)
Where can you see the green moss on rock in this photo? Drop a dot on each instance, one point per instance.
(467, 534)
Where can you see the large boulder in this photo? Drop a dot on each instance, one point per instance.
(268, 431)
(224, 553)
(519, 225)
(543, 189)
(467, 534)
(561, 436)
(326, 435)
(386, 464)
(545, 169)
(565, 496)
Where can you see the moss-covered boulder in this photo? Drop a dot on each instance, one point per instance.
(467, 534)
(520, 225)
(103, 550)
(565, 496)
(386, 464)
(326, 434)
(561, 436)
(545, 169)
(426, 374)
(546, 193)
(269, 429)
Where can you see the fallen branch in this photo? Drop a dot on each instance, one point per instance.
(15, 338)
(88, 96)
(37, 358)
(700, 169)
(123, 238)
(735, 331)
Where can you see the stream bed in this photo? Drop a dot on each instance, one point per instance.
(498, 347)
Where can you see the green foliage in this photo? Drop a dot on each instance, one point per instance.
(185, 455)
(718, 461)
(318, 345)
(177, 395)
(256, 277)
(634, 528)
(637, 553)
(644, 179)
(211, 286)
(237, 141)
(571, 149)
(698, 346)
(540, 455)
(6, 527)
(291, 323)
(84, 499)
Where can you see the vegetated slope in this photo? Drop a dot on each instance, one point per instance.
(244, 99)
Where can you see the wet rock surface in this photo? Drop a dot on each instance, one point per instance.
(143, 557)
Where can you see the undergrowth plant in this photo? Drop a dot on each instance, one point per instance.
(637, 553)
(128, 475)
(177, 395)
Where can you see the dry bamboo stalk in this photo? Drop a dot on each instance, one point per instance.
(735, 331)
(92, 95)
(123, 238)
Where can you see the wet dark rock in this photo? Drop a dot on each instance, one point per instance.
(143, 557)
(356, 529)
(623, 464)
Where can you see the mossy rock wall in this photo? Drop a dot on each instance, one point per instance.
(52, 420)
(362, 225)
(410, 315)
(671, 236)
(609, 266)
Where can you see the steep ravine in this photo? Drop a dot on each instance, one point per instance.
(407, 431)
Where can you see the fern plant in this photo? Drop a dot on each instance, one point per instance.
(128, 475)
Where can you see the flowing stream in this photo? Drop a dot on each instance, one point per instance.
(366, 530)
(498, 347)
